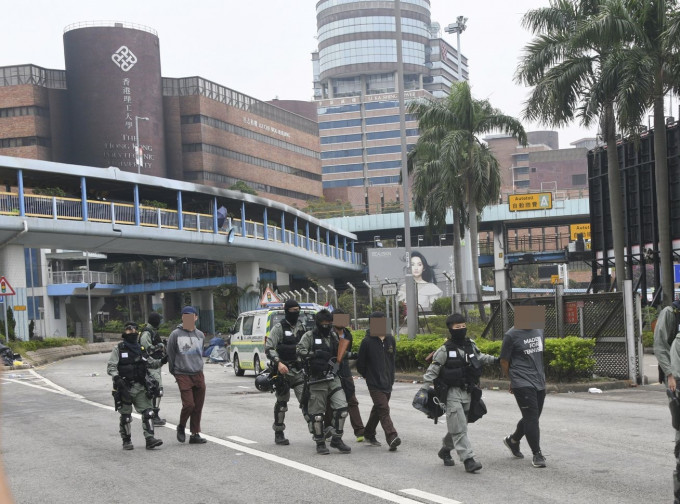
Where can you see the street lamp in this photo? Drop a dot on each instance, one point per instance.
(420, 239)
(377, 242)
(354, 295)
(297, 292)
(442, 237)
(399, 239)
(335, 293)
(139, 157)
(458, 27)
(370, 294)
(90, 330)
(306, 295)
(325, 292)
(315, 295)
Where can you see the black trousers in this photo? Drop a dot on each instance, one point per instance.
(530, 402)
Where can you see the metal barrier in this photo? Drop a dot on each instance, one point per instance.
(80, 276)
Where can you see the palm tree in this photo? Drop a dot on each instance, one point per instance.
(574, 75)
(451, 164)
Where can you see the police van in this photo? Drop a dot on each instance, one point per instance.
(252, 329)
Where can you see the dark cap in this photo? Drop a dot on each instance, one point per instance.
(290, 303)
(377, 314)
(130, 324)
(189, 309)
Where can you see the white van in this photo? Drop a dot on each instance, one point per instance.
(251, 330)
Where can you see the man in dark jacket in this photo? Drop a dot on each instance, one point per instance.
(376, 363)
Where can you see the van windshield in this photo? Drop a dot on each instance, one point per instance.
(306, 318)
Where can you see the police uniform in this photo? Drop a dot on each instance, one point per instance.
(318, 349)
(128, 367)
(280, 346)
(151, 341)
(457, 367)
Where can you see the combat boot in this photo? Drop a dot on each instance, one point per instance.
(445, 455)
(158, 422)
(152, 442)
(338, 444)
(280, 438)
(321, 448)
(127, 444)
(471, 465)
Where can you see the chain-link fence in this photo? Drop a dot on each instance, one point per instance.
(600, 316)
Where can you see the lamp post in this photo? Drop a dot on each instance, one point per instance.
(139, 157)
(315, 295)
(306, 295)
(420, 239)
(354, 295)
(325, 292)
(458, 27)
(297, 292)
(370, 294)
(335, 294)
(90, 331)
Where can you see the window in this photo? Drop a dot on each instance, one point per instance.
(522, 170)
(55, 307)
(248, 325)
(522, 183)
(579, 179)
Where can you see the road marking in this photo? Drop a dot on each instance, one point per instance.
(429, 496)
(291, 464)
(241, 440)
(243, 386)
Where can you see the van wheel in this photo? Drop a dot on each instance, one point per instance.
(237, 366)
(256, 366)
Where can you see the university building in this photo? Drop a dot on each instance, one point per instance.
(189, 129)
(355, 89)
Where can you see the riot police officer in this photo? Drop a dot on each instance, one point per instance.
(319, 347)
(153, 344)
(456, 366)
(280, 348)
(128, 366)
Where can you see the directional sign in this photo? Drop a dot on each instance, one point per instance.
(527, 202)
(6, 288)
(389, 289)
(576, 229)
(19, 307)
(554, 279)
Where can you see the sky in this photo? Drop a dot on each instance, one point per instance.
(263, 48)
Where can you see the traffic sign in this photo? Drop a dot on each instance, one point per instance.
(268, 296)
(533, 201)
(576, 229)
(389, 289)
(6, 288)
(19, 307)
(554, 279)
(676, 270)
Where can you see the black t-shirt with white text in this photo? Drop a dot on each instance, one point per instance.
(523, 348)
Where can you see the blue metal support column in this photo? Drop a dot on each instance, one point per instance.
(295, 228)
(136, 195)
(337, 248)
(318, 240)
(266, 225)
(20, 185)
(215, 228)
(243, 219)
(344, 248)
(328, 243)
(354, 257)
(180, 218)
(83, 196)
(283, 227)
(307, 235)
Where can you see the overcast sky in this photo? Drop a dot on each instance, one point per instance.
(263, 48)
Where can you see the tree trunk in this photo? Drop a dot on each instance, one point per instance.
(474, 251)
(615, 197)
(662, 198)
(457, 270)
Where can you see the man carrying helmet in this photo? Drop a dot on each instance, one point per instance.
(319, 347)
(280, 349)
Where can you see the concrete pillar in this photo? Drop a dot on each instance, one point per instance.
(203, 302)
(282, 281)
(499, 269)
(78, 309)
(13, 268)
(467, 275)
(248, 278)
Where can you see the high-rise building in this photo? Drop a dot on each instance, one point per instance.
(355, 88)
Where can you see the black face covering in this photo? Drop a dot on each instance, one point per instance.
(458, 335)
(131, 337)
(324, 330)
(292, 317)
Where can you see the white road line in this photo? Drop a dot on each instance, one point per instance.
(291, 464)
(241, 440)
(243, 386)
(429, 496)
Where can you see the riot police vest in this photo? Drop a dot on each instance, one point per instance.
(321, 352)
(130, 365)
(287, 347)
(461, 366)
(156, 341)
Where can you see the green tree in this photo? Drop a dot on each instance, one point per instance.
(574, 73)
(452, 167)
(326, 209)
(243, 187)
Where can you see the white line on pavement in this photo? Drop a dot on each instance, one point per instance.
(429, 496)
(241, 440)
(291, 464)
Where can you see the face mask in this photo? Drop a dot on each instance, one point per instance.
(292, 317)
(458, 334)
(324, 330)
(130, 337)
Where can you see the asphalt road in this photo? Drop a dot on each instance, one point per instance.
(60, 444)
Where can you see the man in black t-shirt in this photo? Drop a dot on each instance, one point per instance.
(522, 361)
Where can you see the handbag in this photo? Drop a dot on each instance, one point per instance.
(477, 407)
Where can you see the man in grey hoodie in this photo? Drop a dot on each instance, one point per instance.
(185, 363)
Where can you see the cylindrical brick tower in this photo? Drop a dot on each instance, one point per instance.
(113, 78)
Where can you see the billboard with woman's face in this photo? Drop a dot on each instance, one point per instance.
(428, 264)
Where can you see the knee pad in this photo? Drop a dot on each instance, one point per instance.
(148, 414)
(281, 406)
(125, 418)
(160, 391)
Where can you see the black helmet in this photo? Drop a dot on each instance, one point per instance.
(263, 382)
(427, 402)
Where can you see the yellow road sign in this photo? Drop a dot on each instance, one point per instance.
(19, 307)
(527, 202)
(554, 279)
(575, 229)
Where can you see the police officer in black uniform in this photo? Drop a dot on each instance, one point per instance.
(280, 349)
(151, 341)
(128, 366)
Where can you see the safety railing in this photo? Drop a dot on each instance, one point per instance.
(83, 276)
(58, 208)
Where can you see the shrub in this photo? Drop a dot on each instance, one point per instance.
(114, 326)
(441, 306)
(648, 339)
(21, 347)
(570, 357)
